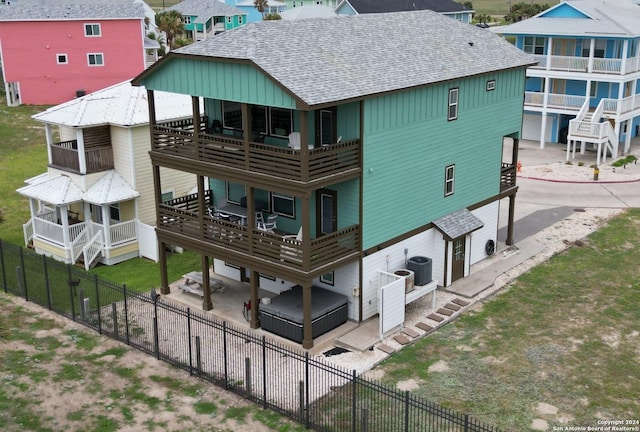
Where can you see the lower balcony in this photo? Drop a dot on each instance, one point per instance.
(272, 250)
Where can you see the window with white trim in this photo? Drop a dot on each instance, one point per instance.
(283, 205)
(229, 20)
(449, 180)
(95, 59)
(534, 45)
(62, 58)
(452, 113)
(92, 30)
(239, 19)
(186, 19)
(491, 85)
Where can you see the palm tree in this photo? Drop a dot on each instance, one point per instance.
(261, 5)
(171, 23)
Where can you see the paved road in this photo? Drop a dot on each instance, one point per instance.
(541, 203)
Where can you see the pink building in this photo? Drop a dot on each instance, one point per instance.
(52, 53)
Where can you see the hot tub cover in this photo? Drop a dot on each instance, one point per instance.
(289, 306)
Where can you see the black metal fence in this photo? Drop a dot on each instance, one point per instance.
(318, 395)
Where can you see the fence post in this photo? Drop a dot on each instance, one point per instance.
(364, 419)
(198, 356)
(247, 375)
(466, 423)
(114, 314)
(24, 276)
(406, 410)
(354, 422)
(301, 398)
(189, 336)
(126, 314)
(71, 284)
(264, 372)
(95, 277)
(83, 312)
(156, 332)
(45, 270)
(224, 353)
(306, 378)
(4, 274)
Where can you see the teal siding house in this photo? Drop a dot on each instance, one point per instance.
(381, 145)
(206, 18)
(584, 90)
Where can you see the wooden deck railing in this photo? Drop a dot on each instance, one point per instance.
(64, 155)
(507, 176)
(260, 158)
(268, 246)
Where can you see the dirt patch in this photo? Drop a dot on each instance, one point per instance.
(75, 379)
(439, 366)
(408, 385)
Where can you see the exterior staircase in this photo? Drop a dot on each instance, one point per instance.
(589, 128)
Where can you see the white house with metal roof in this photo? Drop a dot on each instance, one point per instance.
(95, 202)
(584, 90)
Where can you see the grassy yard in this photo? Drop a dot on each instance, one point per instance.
(23, 154)
(565, 334)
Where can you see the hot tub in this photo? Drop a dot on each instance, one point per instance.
(284, 315)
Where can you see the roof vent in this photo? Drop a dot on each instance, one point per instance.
(470, 43)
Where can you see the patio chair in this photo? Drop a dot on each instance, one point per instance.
(294, 140)
(270, 225)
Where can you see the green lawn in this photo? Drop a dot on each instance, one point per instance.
(23, 154)
(565, 334)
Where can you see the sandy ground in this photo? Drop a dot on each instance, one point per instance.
(70, 388)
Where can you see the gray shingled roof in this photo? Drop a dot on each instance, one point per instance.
(381, 6)
(43, 10)
(614, 18)
(458, 223)
(205, 9)
(325, 60)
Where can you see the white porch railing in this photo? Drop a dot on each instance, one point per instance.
(627, 105)
(49, 231)
(581, 64)
(554, 100)
(122, 232)
(92, 249)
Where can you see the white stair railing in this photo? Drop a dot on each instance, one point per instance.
(612, 143)
(583, 111)
(78, 243)
(92, 249)
(27, 229)
(597, 113)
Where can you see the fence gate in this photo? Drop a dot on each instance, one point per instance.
(390, 302)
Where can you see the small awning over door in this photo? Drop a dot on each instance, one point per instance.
(458, 223)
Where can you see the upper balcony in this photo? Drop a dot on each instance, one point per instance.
(610, 66)
(249, 156)
(65, 156)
